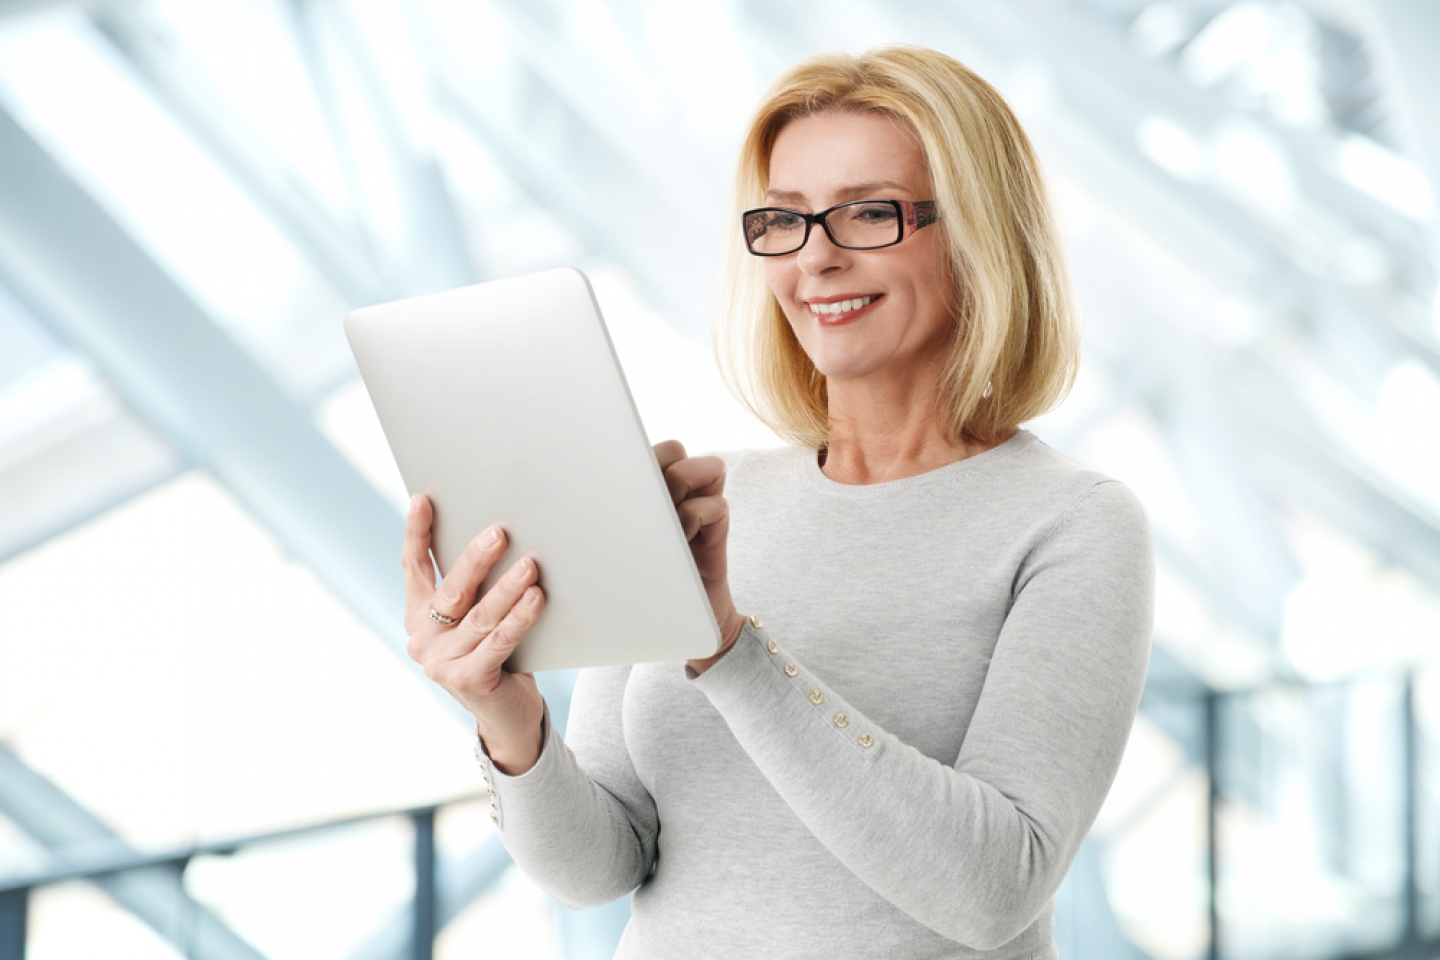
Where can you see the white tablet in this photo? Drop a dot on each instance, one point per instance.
(504, 403)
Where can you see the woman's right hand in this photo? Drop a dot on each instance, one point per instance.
(467, 657)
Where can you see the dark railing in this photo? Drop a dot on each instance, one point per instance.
(1211, 750)
(97, 864)
(1208, 747)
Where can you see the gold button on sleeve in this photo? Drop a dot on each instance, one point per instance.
(841, 720)
(791, 669)
(772, 646)
(755, 622)
(865, 740)
(816, 697)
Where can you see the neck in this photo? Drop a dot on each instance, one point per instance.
(888, 431)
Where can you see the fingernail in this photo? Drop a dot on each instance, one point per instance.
(532, 595)
(521, 570)
(491, 537)
(414, 502)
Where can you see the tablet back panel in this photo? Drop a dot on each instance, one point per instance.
(504, 403)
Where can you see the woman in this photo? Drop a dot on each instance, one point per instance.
(904, 758)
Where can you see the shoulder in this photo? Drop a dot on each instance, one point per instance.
(1071, 491)
(1064, 512)
(1094, 529)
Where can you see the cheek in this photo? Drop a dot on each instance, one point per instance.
(778, 279)
(932, 291)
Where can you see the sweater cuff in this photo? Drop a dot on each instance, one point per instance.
(497, 781)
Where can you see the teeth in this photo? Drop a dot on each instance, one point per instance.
(842, 306)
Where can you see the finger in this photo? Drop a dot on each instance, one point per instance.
(667, 452)
(513, 628)
(494, 606)
(415, 555)
(695, 476)
(500, 598)
(708, 547)
(698, 513)
(458, 589)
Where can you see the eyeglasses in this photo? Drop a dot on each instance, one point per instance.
(857, 225)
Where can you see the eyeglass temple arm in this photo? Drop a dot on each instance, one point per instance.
(920, 213)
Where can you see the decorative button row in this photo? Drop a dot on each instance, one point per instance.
(489, 787)
(816, 697)
(842, 721)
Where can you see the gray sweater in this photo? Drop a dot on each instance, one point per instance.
(902, 760)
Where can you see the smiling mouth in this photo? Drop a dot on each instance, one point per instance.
(840, 308)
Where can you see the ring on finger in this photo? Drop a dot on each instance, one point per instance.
(441, 618)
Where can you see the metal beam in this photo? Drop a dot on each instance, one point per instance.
(429, 251)
(156, 895)
(1115, 91)
(1408, 34)
(555, 122)
(20, 8)
(81, 273)
(459, 882)
(14, 919)
(422, 938)
(78, 270)
(189, 94)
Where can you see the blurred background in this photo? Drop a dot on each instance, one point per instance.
(211, 742)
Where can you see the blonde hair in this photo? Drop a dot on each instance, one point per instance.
(1016, 341)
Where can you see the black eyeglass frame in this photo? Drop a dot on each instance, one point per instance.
(914, 214)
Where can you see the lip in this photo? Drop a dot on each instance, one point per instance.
(839, 319)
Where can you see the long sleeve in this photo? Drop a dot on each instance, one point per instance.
(579, 822)
(974, 851)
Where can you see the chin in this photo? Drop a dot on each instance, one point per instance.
(833, 369)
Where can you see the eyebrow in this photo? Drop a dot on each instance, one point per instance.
(856, 191)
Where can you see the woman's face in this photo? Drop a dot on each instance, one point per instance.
(904, 322)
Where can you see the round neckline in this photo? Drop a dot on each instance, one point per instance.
(810, 466)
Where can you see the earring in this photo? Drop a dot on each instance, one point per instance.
(988, 391)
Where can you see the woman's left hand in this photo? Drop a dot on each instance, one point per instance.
(696, 486)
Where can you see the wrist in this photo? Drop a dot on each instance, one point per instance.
(516, 752)
(729, 632)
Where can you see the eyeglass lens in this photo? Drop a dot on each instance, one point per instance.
(857, 225)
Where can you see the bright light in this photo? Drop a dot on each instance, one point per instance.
(1159, 29)
(1171, 147)
(1249, 165)
(1407, 427)
(1386, 176)
(86, 108)
(1351, 612)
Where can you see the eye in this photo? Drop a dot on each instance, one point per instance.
(783, 220)
(872, 214)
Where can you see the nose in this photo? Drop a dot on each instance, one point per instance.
(820, 256)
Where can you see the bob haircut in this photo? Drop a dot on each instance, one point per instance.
(1015, 343)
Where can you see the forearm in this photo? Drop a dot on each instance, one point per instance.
(567, 832)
